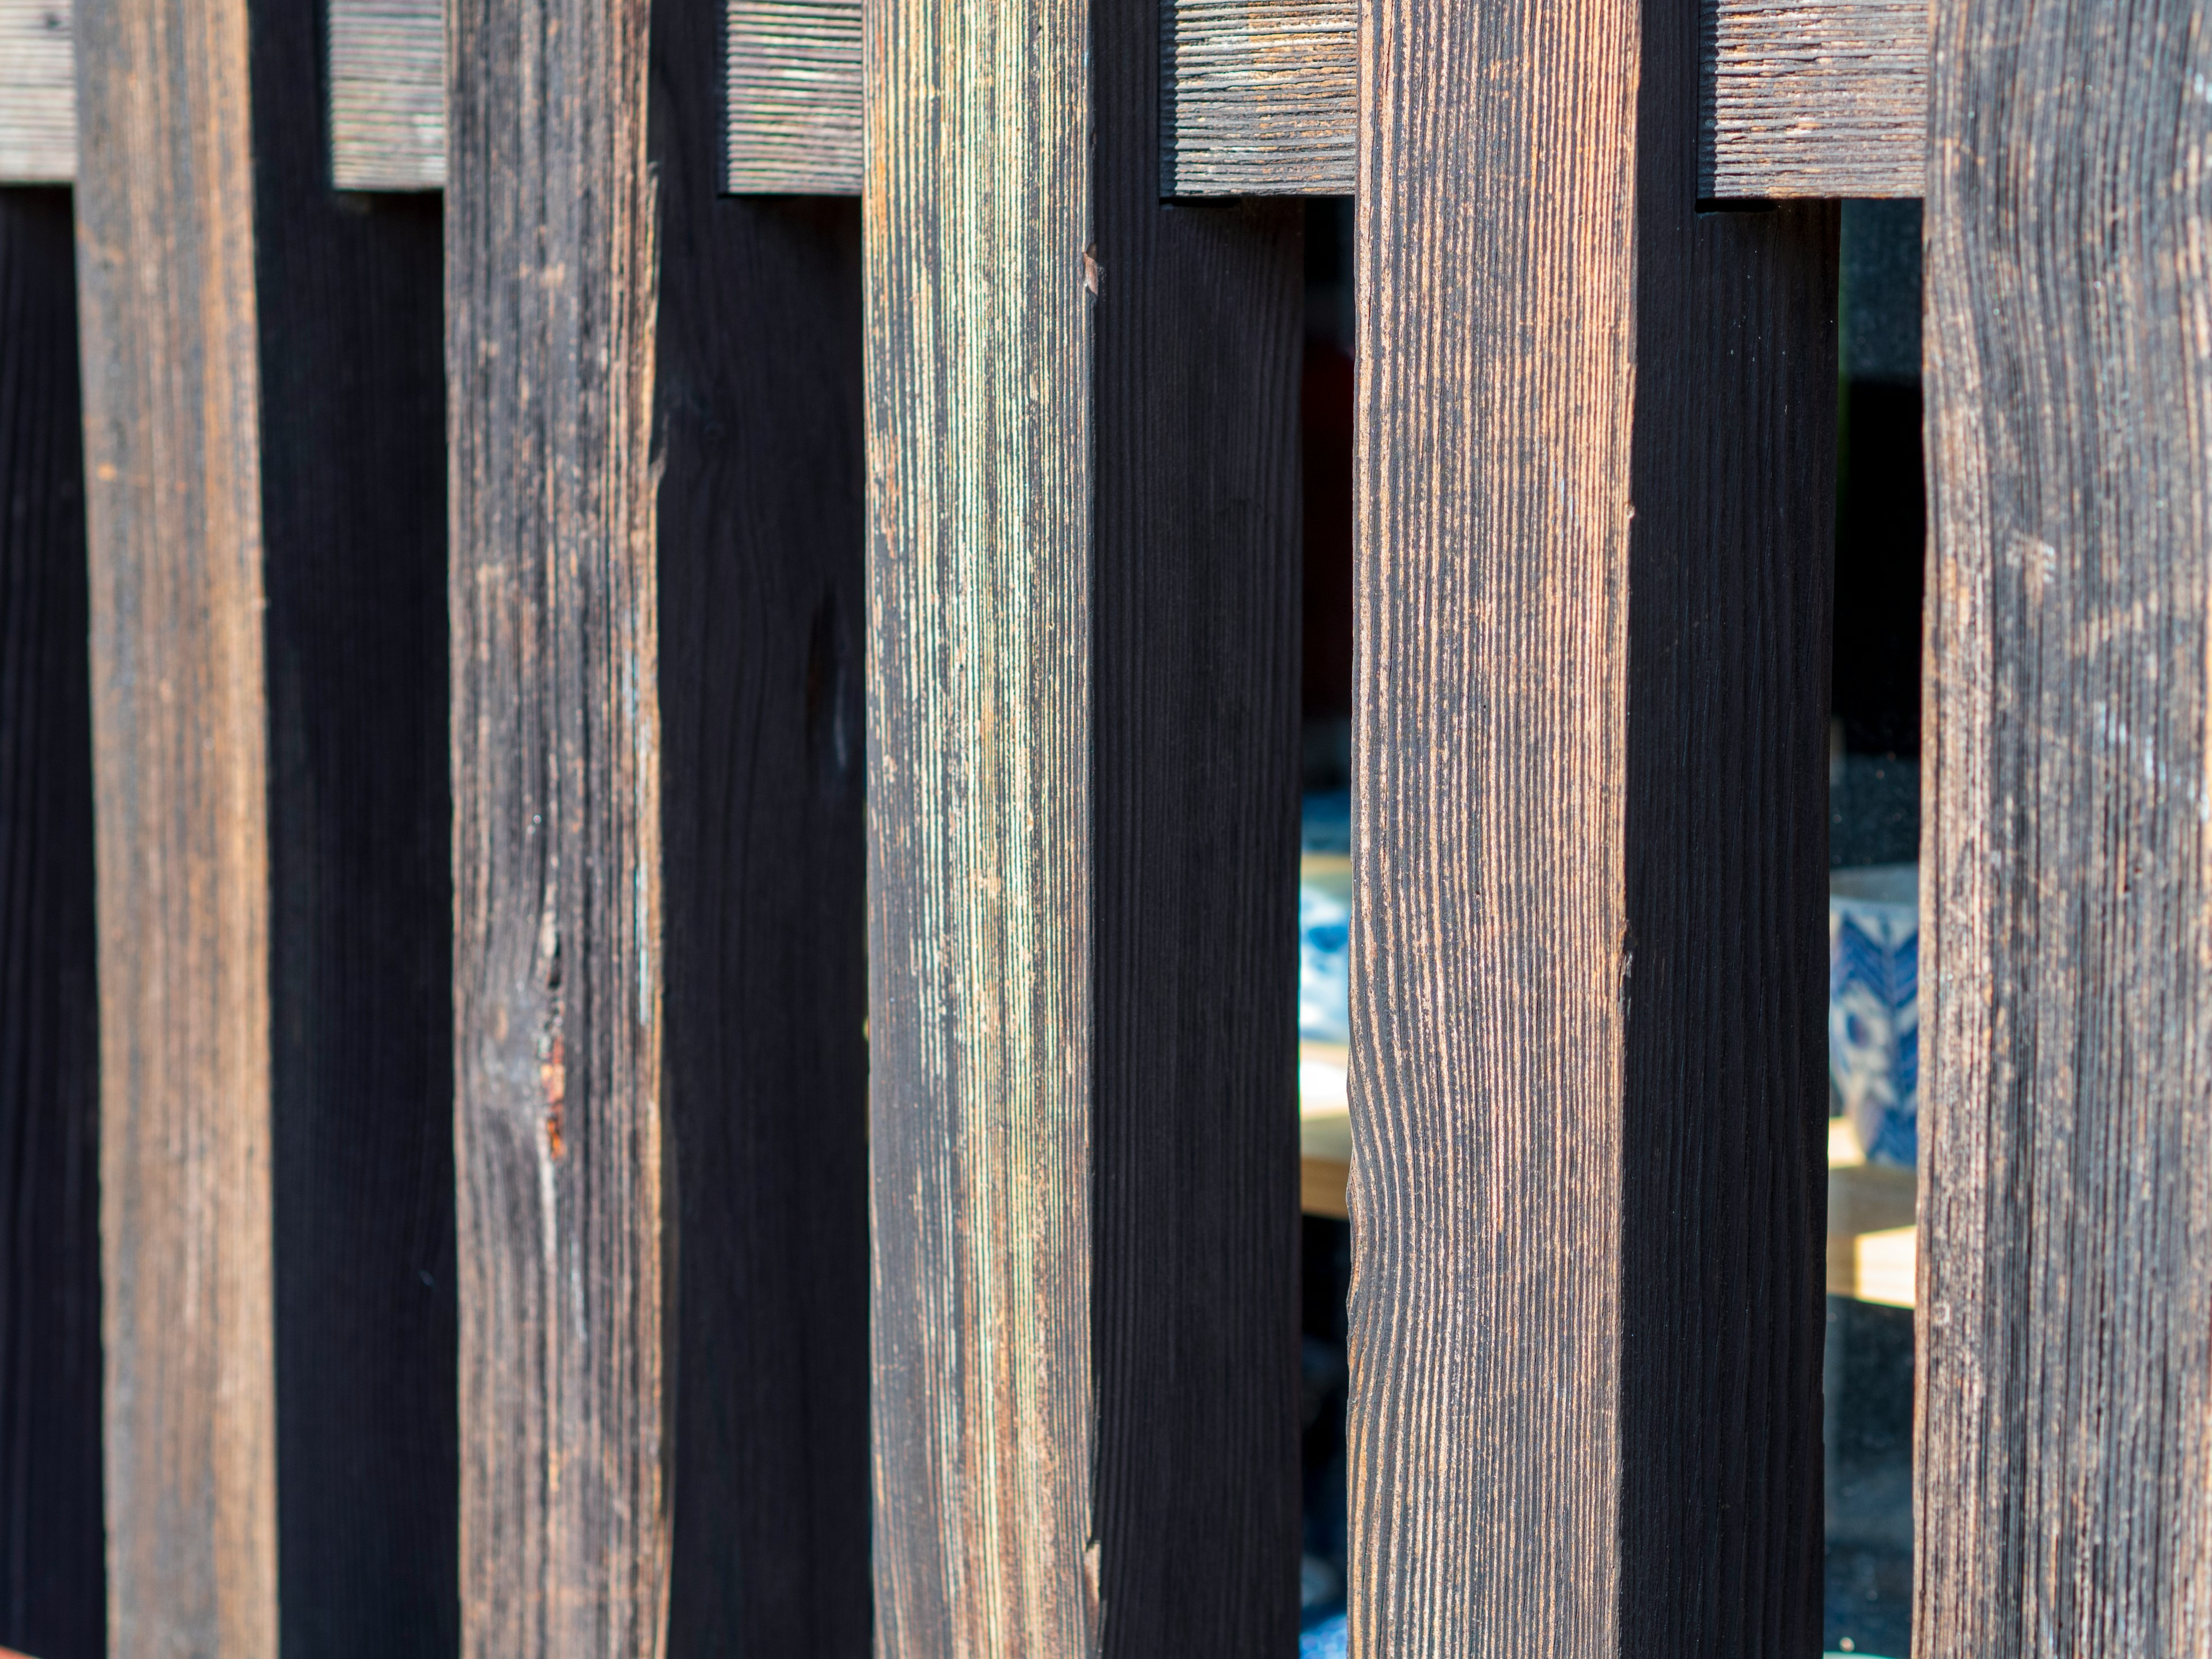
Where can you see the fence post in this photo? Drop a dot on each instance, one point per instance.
(51, 1600)
(173, 469)
(262, 397)
(558, 959)
(2065, 1308)
(1594, 478)
(1082, 598)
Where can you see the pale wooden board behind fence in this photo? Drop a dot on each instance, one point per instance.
(1812, 98)
(387, 95)
(794, 104)
(38, 92)
(1259, 100)
(1797, 98)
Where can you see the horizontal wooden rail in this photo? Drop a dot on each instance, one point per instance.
(1797, 98)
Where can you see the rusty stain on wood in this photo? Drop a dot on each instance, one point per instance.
(1594, 476)
(2064, 1421)
(166, 263)
(551, 267)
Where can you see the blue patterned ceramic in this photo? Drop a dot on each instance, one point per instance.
(1874, 1008)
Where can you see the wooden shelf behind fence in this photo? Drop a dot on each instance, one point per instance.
(1826, 99)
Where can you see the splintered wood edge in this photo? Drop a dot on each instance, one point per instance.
(1821, 97)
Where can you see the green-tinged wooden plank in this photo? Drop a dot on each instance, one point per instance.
(2065, 1307)
(1082, 581)
(172, 462)
(1595, 480)
(557, 962)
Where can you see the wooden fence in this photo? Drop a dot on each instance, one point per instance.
(683, 810)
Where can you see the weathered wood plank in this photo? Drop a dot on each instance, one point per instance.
(1082, 689)
(1797, 98)
(2065, 1324)
(1594, 478)
(1259, 99)
(53, 1600)
(557, 962)
(793, 97)
(166, 269)
(757, 386)
(388, 80)
(1800, 98)
(38, 92)
(350, 301)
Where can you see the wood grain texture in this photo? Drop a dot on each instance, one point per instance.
(1594, 480)
(166, 285)
(387, 82)
(2064, 1418)
(1801, 98)
(793, 97)
(349, 299)
(53, 1600)
(763, 638)
(38, 92)
(557, 964)
(1082, 690)
(1259, 99)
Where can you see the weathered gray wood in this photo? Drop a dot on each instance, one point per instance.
(557, 964)
(1797, 98)
(38, 92)
(1082, 687)
(52, 1598)
(793, 97)
(166, 275)
(1259, 100)
(387, 61)
(2065, 1309)
(1814, 98)
(1595, 471)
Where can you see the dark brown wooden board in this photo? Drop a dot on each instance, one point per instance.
(1081, 686)
(349, 298)
(557, 957)
(173, 464)
(758, 425)
(2065, 1306)
(52, 1599)
(1595, 478)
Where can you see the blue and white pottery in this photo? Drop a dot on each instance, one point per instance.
(1874, 1008)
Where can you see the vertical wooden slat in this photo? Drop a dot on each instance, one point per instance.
(1594, 477)
(763, 617)
(1081, 584)
(2065, 1307)
(52, 1600)
(558, 964)
(164, 198)
(350, 301)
